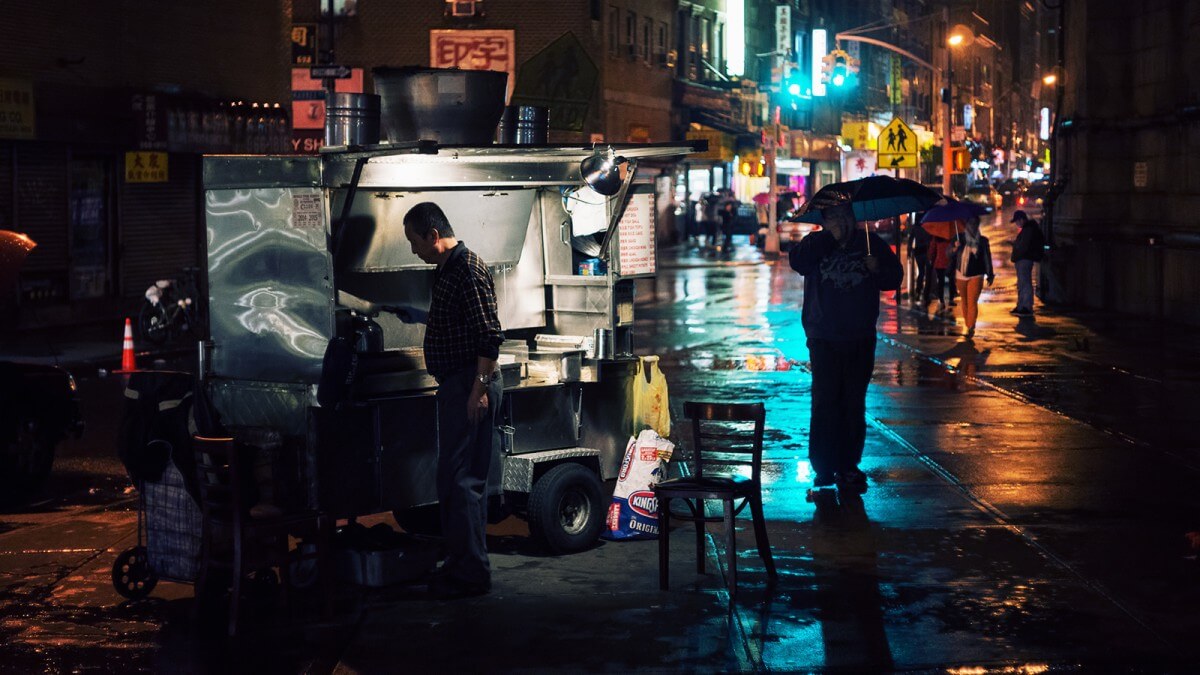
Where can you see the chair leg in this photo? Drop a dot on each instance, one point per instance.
(235, 596)
(201, 585)
(325, 564)
(699, 536)
(664, 544)
(285, 579)
(731, 547)
(760, 535)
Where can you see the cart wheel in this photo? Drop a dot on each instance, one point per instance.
(566, 508)
(131, 574)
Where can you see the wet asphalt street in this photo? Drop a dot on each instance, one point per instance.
(1029, 493)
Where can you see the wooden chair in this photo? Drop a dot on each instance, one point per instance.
(725, 436)
(242, 544)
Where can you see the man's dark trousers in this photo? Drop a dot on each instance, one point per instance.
(464, 459)
(841, 371)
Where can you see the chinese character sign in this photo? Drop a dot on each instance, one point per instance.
(146, 167)
(858, 164)
(16, 109)
(475, 50)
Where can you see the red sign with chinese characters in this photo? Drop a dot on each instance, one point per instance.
(475, 50)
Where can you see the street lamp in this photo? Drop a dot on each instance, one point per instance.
(1050, 79)
(959, 36)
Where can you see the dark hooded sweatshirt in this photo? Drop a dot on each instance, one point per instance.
(841, 298)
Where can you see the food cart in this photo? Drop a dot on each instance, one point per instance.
(301, 250)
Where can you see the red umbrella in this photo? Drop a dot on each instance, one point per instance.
(762, 198)
(946, 229)
(14, 246)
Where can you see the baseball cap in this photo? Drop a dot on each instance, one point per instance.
(1019, 215)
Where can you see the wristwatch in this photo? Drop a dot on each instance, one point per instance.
(483, 379)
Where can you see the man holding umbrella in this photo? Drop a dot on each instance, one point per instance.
(844, 273)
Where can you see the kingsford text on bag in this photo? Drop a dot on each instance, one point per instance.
(633, 513)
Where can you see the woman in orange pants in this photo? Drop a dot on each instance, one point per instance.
(972, 257)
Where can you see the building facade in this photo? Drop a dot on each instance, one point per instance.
(107, 108)
(1123, 230)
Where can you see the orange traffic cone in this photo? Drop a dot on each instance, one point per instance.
(128, 362)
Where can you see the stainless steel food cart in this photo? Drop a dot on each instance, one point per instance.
(303, 249)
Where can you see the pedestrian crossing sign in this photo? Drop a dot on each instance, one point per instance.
(897, 146)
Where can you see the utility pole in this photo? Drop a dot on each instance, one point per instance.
(771, 245)
(948, 114)
(330, 82)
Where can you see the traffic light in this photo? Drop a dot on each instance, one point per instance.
(839, 69)
(792, 91)
(752, 163)
(960, 159)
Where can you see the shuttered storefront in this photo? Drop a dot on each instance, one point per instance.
(159, 226)
(6, 192)
(41, 213)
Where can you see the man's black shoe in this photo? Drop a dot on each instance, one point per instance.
(448, 588)
(853, 481)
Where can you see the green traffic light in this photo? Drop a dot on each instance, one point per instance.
(794, 89)
(839, 80)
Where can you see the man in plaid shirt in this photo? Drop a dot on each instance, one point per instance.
(462, 342)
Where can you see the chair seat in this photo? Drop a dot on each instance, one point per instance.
(707, 484)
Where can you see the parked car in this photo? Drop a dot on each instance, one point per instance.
(1011, 190)
(39, 406)
(984, 195)
(791, 233)
(1036, 194)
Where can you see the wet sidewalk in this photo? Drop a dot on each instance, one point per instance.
(1029, 489)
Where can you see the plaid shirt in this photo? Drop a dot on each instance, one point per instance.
(462, 324)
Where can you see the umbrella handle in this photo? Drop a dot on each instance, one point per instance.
(867, 231)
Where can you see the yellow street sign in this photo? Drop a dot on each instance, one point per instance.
(897, 146)
(146, 167)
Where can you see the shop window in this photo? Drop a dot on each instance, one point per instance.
(647, 35)
(89, 230)
(614, 31)
(631, 34)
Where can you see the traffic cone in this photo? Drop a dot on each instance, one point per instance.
(128, 362)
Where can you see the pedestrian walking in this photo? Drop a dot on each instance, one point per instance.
(1028, 249)
(973, 263)
(727, 214)
(939, 264)
(462, 341)
(712, 207)
(844, 272)
(918, 250)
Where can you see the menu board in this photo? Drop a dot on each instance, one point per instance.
(635, 237)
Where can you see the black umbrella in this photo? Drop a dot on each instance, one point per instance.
(873, 198)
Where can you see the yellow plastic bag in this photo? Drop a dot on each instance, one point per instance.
(651, 406)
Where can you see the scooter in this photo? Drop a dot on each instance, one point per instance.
(169, 310)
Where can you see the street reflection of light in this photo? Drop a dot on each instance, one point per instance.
(804, 473)
(1022, 669)
(768, 362)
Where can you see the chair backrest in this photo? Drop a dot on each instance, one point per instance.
(217, 473)
(727, 435)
